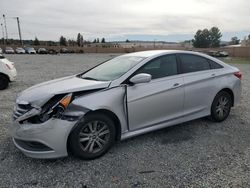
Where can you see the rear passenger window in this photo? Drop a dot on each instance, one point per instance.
(193, 63)
(215, 65)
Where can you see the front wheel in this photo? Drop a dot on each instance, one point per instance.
(92, 137)
(221, 106)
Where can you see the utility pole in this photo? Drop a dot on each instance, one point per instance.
(6, 32)
(19, 30)
(3, 33)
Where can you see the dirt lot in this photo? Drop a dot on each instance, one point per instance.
(194, 154)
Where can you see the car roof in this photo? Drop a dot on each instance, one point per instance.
(152, 53)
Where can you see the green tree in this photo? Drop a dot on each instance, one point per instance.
(215, 36)
(81, 41)
(63, 41)
(103, 40)
(207, 38)
(127, 40)
(94, 41)
(97, 40)
(202, 39)
(234, 41)
(78, 40)
(36, 42)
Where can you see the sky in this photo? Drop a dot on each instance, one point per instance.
(159, 20)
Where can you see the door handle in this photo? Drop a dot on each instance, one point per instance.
(176, 85)
(213, 75)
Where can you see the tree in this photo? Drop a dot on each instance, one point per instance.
(36, 42)
(81, 41)
(94, 41)
(246, 41)
(72, 42)
(207, 38)
(78, 40)
(127, 40)
(215, 36)
(234, 41)
(97, 40)
(63, 41)
(103, 40)
(202, 39)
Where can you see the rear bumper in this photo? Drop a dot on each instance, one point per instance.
(46, 140)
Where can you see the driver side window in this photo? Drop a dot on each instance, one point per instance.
(160, 67)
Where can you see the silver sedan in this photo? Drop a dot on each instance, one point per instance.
(123, 97)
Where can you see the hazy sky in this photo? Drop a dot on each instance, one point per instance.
(172, 20)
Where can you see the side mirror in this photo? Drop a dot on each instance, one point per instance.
(140, 78)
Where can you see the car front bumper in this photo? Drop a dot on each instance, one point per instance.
(12, 74)
(46, 140)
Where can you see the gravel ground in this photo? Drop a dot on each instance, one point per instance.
(194, 154)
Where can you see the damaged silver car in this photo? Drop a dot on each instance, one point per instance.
(123, 97)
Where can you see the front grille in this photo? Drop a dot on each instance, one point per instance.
(20, 110)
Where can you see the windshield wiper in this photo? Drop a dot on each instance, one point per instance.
(89, 78)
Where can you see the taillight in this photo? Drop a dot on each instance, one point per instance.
(8, 66)
(238, 75)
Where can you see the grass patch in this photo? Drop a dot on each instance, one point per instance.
(233, 60)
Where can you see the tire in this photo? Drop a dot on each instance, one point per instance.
(221, 106)
(92, 137)
(4, 82)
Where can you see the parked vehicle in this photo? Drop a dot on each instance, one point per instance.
(1, 51)
(64, 51)
(20, 51)
(52, 51)
(7, 72)
(30, 50)
(123, 97)
(223, 54)
(9, 50)
(71, 51)
(42, 51)
(218, 53)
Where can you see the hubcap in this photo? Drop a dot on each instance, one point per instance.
(222, 106)
(93, 136)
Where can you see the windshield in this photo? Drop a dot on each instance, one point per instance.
(112, 69)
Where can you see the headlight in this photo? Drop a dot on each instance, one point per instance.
(65, 101)
(57, 109)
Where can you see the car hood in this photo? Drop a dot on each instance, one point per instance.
(41, 93)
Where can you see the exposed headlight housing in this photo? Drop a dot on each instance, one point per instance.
(57, 109)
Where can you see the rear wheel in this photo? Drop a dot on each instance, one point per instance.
(221, 106)
(92, 137)
(4, 82)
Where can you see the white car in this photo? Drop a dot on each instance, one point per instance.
(20, 51)
(7, 72)
(126, 96)
(9, 50)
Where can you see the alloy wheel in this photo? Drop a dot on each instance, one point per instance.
(94, 136)
(223, 106)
